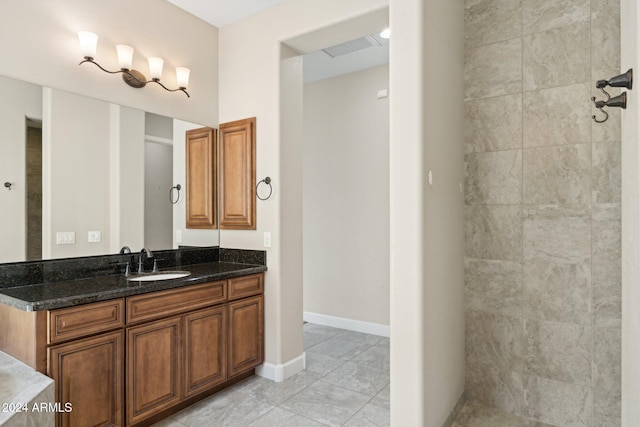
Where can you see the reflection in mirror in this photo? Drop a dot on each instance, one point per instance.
(87, 177)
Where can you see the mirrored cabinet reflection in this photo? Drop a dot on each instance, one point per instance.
(234, 189)
(201, 178)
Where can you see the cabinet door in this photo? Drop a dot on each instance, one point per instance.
(205, 345)
(238, 175)
(153, 368)
(88, 374)
(246, 334)
(201, 178)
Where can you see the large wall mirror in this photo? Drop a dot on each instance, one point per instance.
(81, 177)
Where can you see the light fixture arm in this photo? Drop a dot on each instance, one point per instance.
(134, 78)
(183, 89)
(89, 59)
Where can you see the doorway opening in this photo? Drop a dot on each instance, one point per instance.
(158, 180)
(34, 189)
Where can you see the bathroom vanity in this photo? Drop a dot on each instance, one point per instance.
(131, 353)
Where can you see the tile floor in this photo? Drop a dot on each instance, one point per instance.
(346, 383)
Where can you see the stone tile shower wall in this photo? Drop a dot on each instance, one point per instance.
(542, 195)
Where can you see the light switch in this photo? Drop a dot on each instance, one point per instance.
(267, 239)
(65, 237)
(382, 93)
(178, 236)
(94, 237)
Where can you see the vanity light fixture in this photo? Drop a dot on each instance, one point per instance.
(134, 78)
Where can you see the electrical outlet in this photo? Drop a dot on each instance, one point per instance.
(267, 239)
(178, 236)
(94, 237)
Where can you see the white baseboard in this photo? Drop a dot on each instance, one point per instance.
(348, 324)
(281, 372)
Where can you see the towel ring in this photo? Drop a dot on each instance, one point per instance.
(177, 187)
(267, 181)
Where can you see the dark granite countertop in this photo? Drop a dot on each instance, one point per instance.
(47, 296)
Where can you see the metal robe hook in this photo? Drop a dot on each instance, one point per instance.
(619, 101)
(600, 104)
(8, 185)
(623, 80)
(606, 115)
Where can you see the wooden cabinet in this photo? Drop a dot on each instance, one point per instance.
(246, 330)
(153, 368)
(131, 361)
(89, 374)
(200, 165)
(205, 349)
(238, 175)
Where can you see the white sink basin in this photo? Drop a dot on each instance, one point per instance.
(165, 275)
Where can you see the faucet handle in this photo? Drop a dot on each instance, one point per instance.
(155, 264)
(127, 268)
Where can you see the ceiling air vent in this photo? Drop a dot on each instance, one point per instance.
(351, 46)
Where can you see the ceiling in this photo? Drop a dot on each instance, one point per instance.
(222, 12)
(317, 65)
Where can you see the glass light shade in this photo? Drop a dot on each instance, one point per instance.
(385, 34)
(155, 67)
(182, 76)
(88, 43)
(125, 56)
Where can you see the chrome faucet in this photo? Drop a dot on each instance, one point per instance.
(149, 254)
(125, 250)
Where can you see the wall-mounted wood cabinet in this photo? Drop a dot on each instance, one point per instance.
(238, 175)
(201, 161)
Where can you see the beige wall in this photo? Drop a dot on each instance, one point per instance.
(87, 186)
(427, 242)
(346, 197)
(126, 176)
(542, 200)
(46, 51)
(630, 32)
(75, 140)
(19, 100)
(250, 86)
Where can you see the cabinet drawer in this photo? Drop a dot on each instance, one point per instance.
(246, 286)
(83, 320)
(166, 303)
